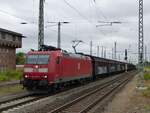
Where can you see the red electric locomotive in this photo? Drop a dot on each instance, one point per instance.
(44, 69)
(51, 68)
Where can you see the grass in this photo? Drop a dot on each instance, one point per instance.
(147, 73)
(10, 90)
(10, 75)
(146, 92)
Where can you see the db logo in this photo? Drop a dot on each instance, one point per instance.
(79, 66)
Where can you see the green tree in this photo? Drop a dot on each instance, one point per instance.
(20, 58)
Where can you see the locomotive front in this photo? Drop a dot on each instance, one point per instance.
(36, 70)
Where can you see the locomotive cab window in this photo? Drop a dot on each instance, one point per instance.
(43, 59)
(31, 59)
(37, 59)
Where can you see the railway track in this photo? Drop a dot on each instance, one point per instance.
(87, 101)
(12, 103)
(9, 98)
(6, 84)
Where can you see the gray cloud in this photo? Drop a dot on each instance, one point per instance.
(82, 22)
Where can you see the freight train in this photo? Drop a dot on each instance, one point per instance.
(51, 68)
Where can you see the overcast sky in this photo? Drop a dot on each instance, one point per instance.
(83, 16)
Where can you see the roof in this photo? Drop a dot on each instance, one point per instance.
(10, 32)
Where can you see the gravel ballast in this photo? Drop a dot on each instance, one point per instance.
(51, 102)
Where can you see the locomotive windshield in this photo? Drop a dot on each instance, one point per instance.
(37, 59)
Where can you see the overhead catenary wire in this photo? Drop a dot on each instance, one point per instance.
(77, 11)
(81, 14)
(98, 10)
(33, 10)
(62, 33)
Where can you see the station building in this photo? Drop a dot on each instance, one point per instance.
(9, 41)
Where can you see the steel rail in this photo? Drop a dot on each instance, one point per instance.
(103, 102)
(104, 96)
(10, 98)
(65, 106)
(4, 107)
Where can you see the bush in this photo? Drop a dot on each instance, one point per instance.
(10, 75)
(20, 59)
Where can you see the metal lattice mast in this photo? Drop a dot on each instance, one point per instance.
(141, 36)
(59, 40)
(41, 24)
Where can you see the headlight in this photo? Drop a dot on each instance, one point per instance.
(45, 76)
(43, 70)
(26, 76)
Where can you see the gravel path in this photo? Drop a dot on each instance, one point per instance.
(129, 100)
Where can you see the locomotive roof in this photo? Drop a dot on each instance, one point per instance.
(39, 52)
(64, 53)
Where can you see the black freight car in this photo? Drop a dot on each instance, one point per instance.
(103, 67)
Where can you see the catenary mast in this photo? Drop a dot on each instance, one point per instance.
(41, 24)
(141, 35)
